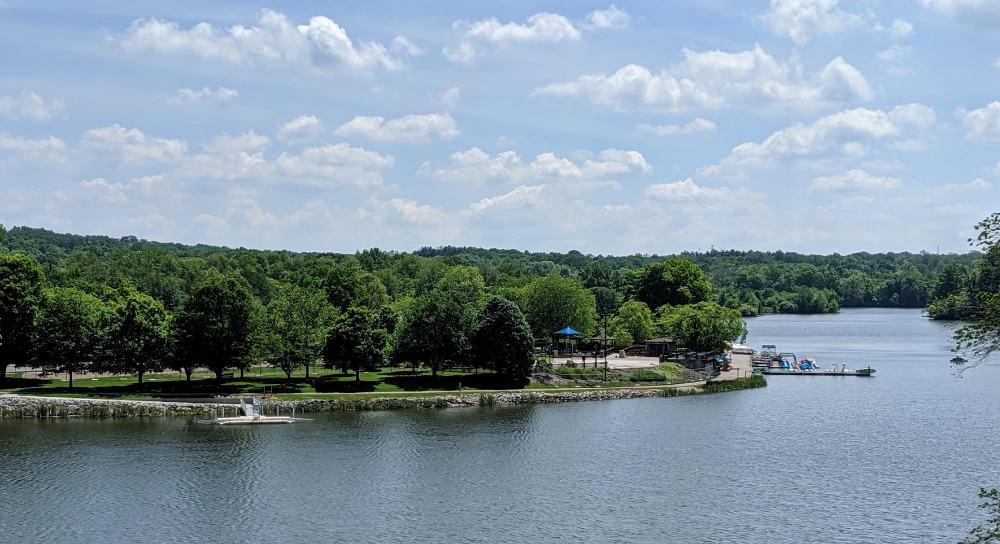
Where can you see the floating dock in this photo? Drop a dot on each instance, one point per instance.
(249, 414)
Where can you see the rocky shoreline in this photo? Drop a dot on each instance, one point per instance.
(16, 406)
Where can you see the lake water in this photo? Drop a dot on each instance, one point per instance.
(895, 458)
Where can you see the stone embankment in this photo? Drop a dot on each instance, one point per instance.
(15, 406)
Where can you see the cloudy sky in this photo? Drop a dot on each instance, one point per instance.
(809, 125)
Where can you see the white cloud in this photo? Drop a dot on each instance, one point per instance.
(685, 189)
(249, 141)
(913, 115)
(332, 166)
(408, 210)
(894, 58)
(697, 125)
(321, 44)
(132, 145)
(301, 129)
(854, 179)
(211, 221)
(613, 17)
(476, 166)
(846, 134)
(996, 63)
(219, 95)
(520, 196)
(28, 105)
(982, 14)
(717, 79)
(538, 28)
(797, 19)
(451, 96)
(408, 128)
(103, 190)
(900, 28)
(981, 124)
(49, 149)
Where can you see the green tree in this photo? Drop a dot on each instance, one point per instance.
(298, 321)
(673, 282)
(68, 330)
(433, 331)
(634, 323)
(553, 302)
(358, 340)
(989, 532)
(136, 336)
(981, 336)
(214, 327)
(704, 326)
(502, 340)
(20, 298)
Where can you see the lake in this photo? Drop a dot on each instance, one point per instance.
(896, 458)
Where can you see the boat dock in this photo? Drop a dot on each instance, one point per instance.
(250, 414)
(770, 362)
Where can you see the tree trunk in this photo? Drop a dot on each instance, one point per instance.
(188, 371)
(140, 378)
(307, 370)
(218, 374)
(70, 379)
(241, 372)
(357, 374)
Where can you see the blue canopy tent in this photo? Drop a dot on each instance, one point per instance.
(566, 334)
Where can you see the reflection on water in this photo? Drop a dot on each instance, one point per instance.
(896, 458)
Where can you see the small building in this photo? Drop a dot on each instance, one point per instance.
(658, 347)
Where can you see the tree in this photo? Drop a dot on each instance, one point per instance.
(553, 302)
(988, 533)
(434, 331)
(20, 298)
(214, 327)
(502, 340)
(981, 337)
(136, 336)
(704, 326)
(634, 322)
(68, 331)
(673, 281)
(298, 321)
(357, 340)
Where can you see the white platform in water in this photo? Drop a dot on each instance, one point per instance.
(251, 420)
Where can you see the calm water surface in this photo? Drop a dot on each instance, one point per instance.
(896, 458)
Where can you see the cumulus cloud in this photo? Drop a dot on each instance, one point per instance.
(249, 141)
(697, 125)
(798, 19)
(613, 17)
(894, 58)
(132, 146)
(519, 197)
(49, 149)
(28, 105)
(408, 128)
(332, 166)
(301, 129)
(900, 28)
(717, 79)
(104, 190)
(981, 14)
(321, 44)
(685, 189)
(854, 179)
(846, 134)
(476, 166)
(490, 33)
(981, 124)
(219, 95)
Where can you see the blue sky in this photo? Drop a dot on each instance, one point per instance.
(817, 126)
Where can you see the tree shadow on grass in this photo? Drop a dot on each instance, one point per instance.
(449, 383)
(331, 385)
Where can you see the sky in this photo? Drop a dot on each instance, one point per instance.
(816, 126)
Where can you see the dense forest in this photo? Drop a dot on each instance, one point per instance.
(135, 306)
